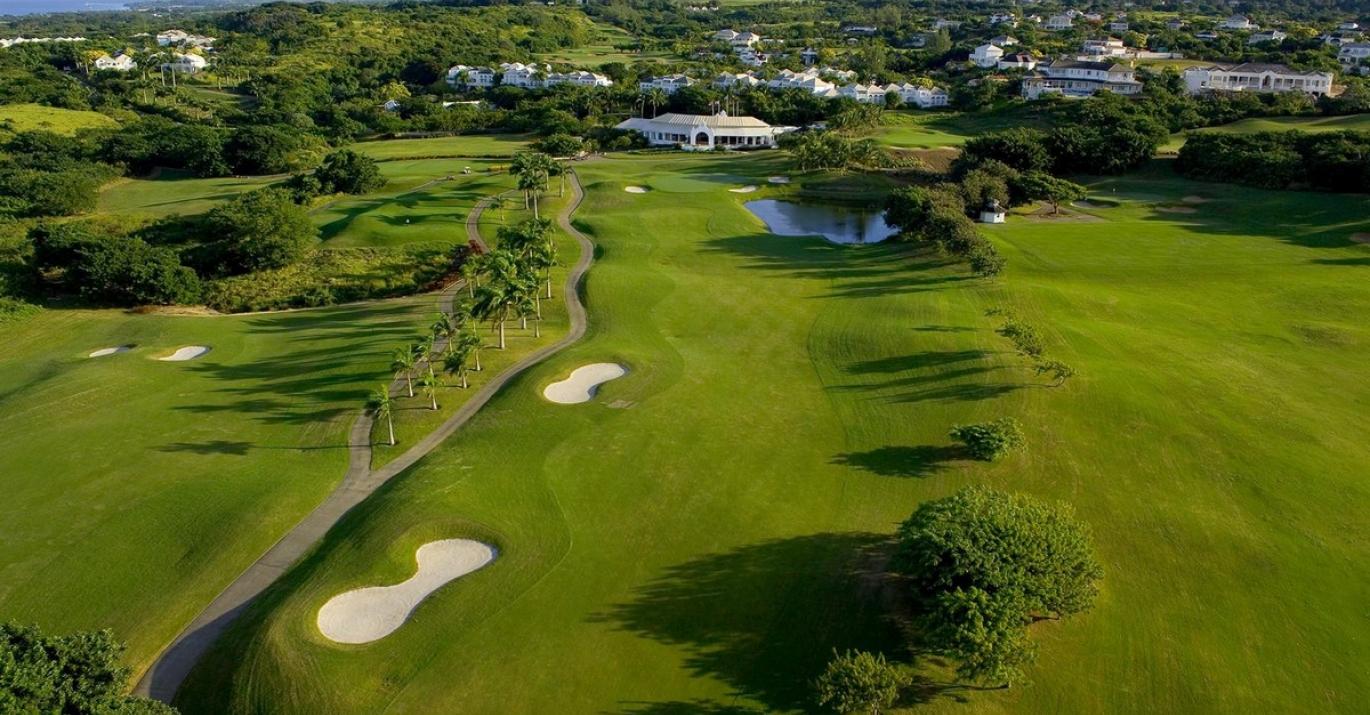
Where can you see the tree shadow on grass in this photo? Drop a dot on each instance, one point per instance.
(766, 618)
(921, 461)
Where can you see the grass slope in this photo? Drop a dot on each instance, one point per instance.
(137, 489)
(1351, 122)
(32, 117)
(701, 535)
(472, 145)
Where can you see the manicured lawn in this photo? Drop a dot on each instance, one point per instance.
(1352, 122)
(426, 200)
(175, 193)
(472, 145)
(31, 117)
(699, 536)
(135, 490)
(602, 49)
(923, 129)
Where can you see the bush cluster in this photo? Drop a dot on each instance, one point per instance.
(990, 441)
(938, 215)
(1333, 161)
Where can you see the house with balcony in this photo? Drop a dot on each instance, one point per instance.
(1107, 47)
(1074, 78)
(1058, 23)
(118, 63)
(1238, 22)
(670, 84)
(517, 74)
(1355, 56)
(1020, 61)
(580, 78)
(466, 77)
(1256, 77)
(986, 56)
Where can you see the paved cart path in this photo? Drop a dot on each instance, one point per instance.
(164, 678)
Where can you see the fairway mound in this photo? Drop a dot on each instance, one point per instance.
(1361, 237)
(367, 614)
(1177, 209)
(189, 352)
(779, 179)
(636, 189)
(102, 352)
(744, 189)
(583, 382)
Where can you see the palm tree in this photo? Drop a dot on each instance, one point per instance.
(532, 170)
(445, 328)
(470, 341)
(456, 363)
(495, 302)
(471, 269)
(657, 96)
(425, 351)
(403, 366)
(384, 408)
(430, 383)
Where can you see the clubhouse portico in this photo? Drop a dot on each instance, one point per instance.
(705, 131)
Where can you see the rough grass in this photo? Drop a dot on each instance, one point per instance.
(32, 117)
(701, 535)
(135, 490)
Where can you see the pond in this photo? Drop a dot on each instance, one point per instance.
(839, 224)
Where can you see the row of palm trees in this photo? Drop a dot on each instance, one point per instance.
(502, 285)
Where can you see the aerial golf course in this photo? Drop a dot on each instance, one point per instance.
(708, 527)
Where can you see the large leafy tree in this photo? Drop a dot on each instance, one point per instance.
(347, 172)
(260, 230)
(76, 674)
(985, 564)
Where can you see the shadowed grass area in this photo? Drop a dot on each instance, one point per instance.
(701, 535)
(137, 489)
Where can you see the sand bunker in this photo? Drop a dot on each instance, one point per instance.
(779, 179)
(189, 352)
(1361, 237)
(368, 614)
(635, 189)
(583, 382)
(1195, 199)
(102, 352)
(744, 189)
(1176, 209)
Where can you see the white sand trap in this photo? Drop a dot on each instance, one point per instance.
(102, 352)
(744, 189)
(189, 352)
(635, 189)
(779, 179)
(583, 382)
(367, 614)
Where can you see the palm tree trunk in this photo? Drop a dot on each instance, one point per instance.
(463, 381)
(477, 361)
(537, 303)
(390, 422)
(501, 335)
(549, 285)
(409, 382)
(523, 322)
(535, 206)
(537, 328)
(434, 397)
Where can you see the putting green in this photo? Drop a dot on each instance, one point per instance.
(699, 536)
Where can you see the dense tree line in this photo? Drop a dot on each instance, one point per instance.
(75, 674)
(1334, 161)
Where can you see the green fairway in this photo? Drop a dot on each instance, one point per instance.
(602, 49)
(921, 129)
(1352, 122)
(472, 145)
(174, 193)
(136, 489)
(35, 117)
(426, 200)
(701, 535)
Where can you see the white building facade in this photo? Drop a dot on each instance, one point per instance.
(1254, 77)
(701, 132)
(1072, 78)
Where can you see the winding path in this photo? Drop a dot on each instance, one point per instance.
(164, 678)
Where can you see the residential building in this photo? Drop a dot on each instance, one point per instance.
(1256, 77)
(1109, 47)
(865, 94)
(809, 56)
(471, 77)
(1021, 61)
(1118, 26)
(1266, 36)
(185, 63)
(745, 39)
(12, 41)
(1349, 26)
(1072, 78)
(1003, 18)
(739, 79)
(726, 35)
(1056, 23)
(945, 24)
(178, 38)
(1003, 40)
(923, 97)
(1355, 56)
(118, 63)
(1174, 24)
(863, 30)
(1238, 22)
(986, 55)
(669, 84)
(703, 132)
(581, 78)
(1206, 35)
(517, 74)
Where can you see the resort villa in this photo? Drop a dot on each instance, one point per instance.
(1255, 77)
(1072, 78)
(118, 63)
(704, 131)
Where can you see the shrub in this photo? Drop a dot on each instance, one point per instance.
(259, 230)
(1024, 337)
(990, 441)
(858, 681)
(347, 172)
(983, 565)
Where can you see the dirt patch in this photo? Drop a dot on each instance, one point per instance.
(1362, 237)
